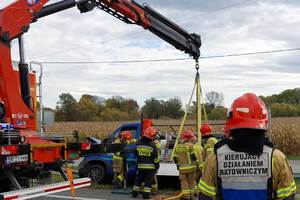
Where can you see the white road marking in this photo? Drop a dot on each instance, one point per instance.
(68, 197)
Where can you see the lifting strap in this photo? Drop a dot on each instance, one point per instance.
(199, 104)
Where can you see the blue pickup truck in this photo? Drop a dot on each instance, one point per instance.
(99, 166)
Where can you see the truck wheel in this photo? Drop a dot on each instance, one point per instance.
(97, 173)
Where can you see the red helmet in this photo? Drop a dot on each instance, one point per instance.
(150, 133)
(188, 135)
(247, 111)
(126, 135)
(206, 129)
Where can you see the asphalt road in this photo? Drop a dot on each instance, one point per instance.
(88, 194)
(106, 194)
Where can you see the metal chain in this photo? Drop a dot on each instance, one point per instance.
(197, 65)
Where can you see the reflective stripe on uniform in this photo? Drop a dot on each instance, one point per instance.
(147, 189)
(285, 192)
(186, 192)
(144, 146)
(136, 188)
(146, 166)
(116, 157)
(186, 167)
(210, 190)
(120, 177)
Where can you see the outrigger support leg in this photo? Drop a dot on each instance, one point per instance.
(63, 173)
(12, 178)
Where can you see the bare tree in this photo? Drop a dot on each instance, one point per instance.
(214, 98)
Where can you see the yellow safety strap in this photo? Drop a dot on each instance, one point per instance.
(198, 107)
(183, 121)
(199, 97)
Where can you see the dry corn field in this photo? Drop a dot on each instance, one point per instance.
(285, 131)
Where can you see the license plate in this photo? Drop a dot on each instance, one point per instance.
(16, 159)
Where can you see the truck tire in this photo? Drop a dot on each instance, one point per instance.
(97, 173)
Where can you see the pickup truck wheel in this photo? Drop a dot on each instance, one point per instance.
(97, 173)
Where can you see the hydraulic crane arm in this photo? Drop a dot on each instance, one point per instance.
(126, 10)
(133, 13)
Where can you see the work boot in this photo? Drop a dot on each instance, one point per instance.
(134, 193)
(146, 195)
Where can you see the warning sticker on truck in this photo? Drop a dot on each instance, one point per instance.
(16, 159)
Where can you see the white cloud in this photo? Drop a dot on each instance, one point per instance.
(96, 36)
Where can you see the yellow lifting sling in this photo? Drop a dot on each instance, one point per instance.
(199, 104)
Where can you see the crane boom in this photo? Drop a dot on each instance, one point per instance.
(133, 13)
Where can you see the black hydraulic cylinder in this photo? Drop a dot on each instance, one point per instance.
(24, 82)
(165, 20)
(56, 7)
(189, 44)
(172, 33)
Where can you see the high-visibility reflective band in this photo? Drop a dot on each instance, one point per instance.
(189, 157)
(157, 144)
(147, 189)
(136, 188)
(211, 191)
(285, 192)
(115, 157)
(186, 167)
(144, 146)
(120, 177)
(186, 192)
(133, 141)
(146, 166)
(157, 160)
(181, 148)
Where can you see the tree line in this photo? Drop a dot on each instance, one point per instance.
(285, 104)
(117, 108)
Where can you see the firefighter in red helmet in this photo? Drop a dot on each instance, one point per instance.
(147, 163)
(245, 165)
(119, 163)
(185, 158)
(209, 141)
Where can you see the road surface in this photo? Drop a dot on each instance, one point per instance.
(105, 194)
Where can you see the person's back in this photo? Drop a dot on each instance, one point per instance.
(185, 158)
(244, 165)
(209, 147)
(280, 183)
(147, 163)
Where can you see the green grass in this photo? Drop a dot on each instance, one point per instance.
(293, 157)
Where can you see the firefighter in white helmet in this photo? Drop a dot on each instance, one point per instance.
(245, 165)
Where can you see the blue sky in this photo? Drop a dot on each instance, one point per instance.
(231, 26)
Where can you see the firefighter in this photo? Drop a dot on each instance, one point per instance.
(199, 162)
(118, 161)
(147, 163)
(245, 165)
(185, 158)
(210, 140)
(155, 182)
